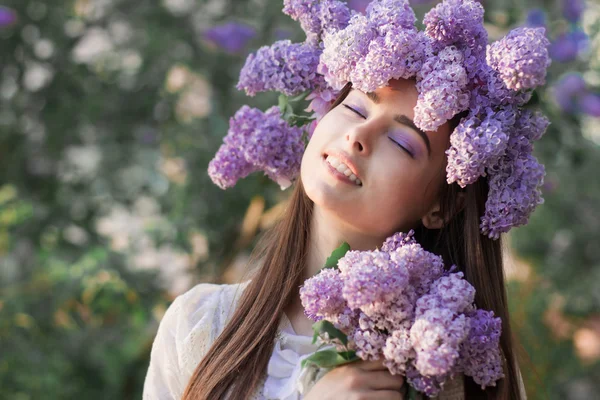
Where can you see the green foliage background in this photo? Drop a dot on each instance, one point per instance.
(109, 114)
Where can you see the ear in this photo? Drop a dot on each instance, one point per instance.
(435, 220)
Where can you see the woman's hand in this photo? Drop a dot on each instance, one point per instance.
(360, 380)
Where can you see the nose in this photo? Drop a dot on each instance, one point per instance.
(359, 139)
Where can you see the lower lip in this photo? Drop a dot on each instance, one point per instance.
(338, 175)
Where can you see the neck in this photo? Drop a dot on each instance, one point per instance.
(327, 232)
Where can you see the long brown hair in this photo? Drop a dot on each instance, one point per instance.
(237, 361)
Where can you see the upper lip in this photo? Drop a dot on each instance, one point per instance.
(345, 158)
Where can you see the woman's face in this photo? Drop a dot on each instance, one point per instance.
(372, 137)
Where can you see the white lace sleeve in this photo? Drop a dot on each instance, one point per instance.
(188, 324)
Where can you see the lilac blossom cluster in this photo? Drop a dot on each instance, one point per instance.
(317, 17)
(400, 305)
(455, 71)
(258, 141)
(521, 58)
(374, 48)
(287, 67)
(442, 86)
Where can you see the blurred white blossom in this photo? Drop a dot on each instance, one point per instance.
(174, 169)
(79, 163)
(37, 76)
(130, 232)
(195, 100)
(179, 7)
(94, 45)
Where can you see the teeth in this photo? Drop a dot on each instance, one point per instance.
(343, 168)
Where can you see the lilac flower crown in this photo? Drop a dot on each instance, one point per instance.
(455, 70)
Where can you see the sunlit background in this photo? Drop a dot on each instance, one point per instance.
(110, 111)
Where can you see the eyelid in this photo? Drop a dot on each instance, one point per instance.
(354, 110)
(402, 147)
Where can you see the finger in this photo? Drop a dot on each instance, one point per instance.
(375, 365)
(383, 380)
(384, 395)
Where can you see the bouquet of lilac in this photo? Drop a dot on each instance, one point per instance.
(399, 304)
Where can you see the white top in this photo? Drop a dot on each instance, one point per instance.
(193, 322)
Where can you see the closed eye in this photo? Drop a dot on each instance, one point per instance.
(354, 111)
(402, 147)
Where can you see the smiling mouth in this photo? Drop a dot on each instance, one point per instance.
(341, 170)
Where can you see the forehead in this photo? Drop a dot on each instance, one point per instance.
(400, 94)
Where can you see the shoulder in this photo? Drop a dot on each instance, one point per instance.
(185, 333)
(199, 315)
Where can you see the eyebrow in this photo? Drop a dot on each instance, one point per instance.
(404, 120)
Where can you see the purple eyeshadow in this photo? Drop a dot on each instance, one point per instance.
(404, 141)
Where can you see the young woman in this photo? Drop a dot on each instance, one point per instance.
(210, 343)
(429, 132)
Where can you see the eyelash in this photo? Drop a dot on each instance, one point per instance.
(393, 141)
(354, 111)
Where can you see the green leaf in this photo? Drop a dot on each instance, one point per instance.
(338, 253)
(288, 113)
(349, 355)
(325, 359)
(325, 326)
(413, 394)
(283, 103)
(299, 120)
(300, 97)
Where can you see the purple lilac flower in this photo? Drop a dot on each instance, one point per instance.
(369, 344)
(343, 49)
(430, 385)
(321, 295)
(590, 104)
(396, 55)
(532, 124)
(346, 321)
(231, 36)
(514, 188)
(290, 68)
(454, 292)
(7, 16)
(476, 143)
(359, 6)
(317, 17)
(321, 101)
(521, 58)
(480, 352)
(333, 15)
(498, 94)
(306, 13)
(389, 15)
(457, 22)
(371, 278)
(436, 336)
(400, 310)
(265, 141)
(398, 351)
(572, 10)
(423, 267)
(398, 240)
(228, 166)
(442, 86)
(568, 90)
(536, 18)
(567, 46)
